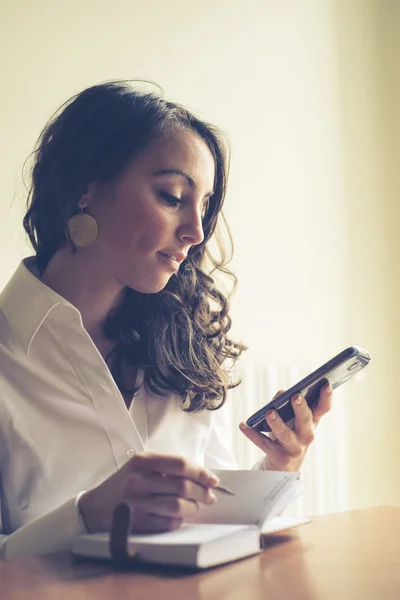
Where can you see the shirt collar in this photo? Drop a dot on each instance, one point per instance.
(26, 302)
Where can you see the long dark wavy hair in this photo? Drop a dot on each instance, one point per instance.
(178, 336)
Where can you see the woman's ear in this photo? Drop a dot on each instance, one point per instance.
(87, 196)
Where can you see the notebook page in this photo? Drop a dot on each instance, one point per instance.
(256, 495)
(281, 523)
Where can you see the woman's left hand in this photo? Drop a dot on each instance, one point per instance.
(285, 448)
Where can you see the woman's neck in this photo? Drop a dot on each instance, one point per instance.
(87, 287)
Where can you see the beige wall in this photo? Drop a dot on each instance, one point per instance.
(367, 51)
(305, 92)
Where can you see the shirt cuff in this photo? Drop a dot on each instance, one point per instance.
(53, 532)
(259, 466)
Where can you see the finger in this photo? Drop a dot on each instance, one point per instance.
(278, 393)
(143, 522)
(283, 434)
(173, 465)
(304, 421)
(278, 457)
(259, 439)
(171, 485)
(324, 403)
(165, 506)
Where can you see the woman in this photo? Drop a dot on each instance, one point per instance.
(113, 337)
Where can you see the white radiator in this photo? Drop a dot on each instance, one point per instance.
(324, 469)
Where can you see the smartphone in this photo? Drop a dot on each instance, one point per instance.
(337, 370)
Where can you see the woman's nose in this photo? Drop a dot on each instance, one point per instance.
(192, 229)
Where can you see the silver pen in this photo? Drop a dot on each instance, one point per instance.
(226, 490)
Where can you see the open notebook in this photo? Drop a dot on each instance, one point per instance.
(225, 531)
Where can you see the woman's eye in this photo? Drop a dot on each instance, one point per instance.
(171, 200)
(205, 210)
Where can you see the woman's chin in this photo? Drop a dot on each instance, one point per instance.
(149, 287)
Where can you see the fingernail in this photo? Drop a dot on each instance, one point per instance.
(298, 399)
(214, 480)
(211, 498)
(272, 415)
(328, 387)
(243, 426)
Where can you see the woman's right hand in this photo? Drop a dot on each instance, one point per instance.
(162, 490)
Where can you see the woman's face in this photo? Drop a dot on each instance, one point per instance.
(152, 214)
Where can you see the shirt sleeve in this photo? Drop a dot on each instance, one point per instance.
(50, 533)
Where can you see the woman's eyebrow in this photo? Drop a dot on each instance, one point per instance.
(189, 179)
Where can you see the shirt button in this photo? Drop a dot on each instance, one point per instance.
(130, 452)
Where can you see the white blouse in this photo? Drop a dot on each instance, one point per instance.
(64, 426)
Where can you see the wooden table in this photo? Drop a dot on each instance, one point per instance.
(353, 555)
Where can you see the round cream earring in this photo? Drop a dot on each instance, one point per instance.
(82, 229)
